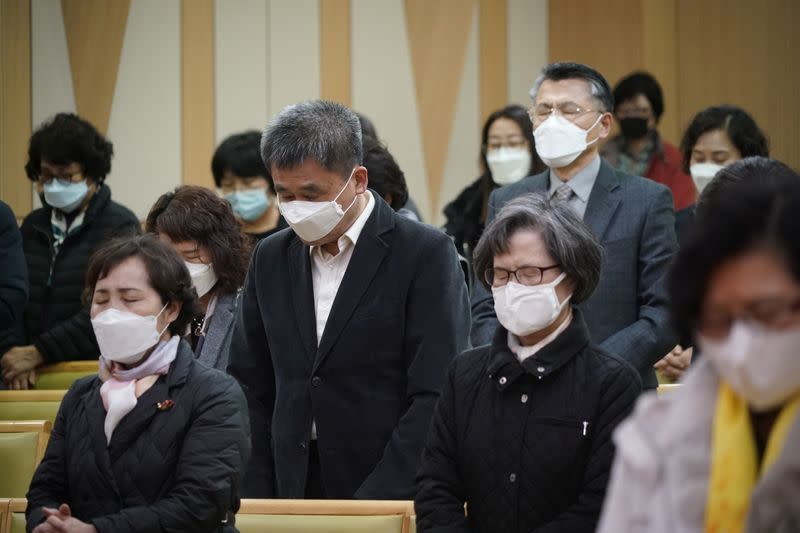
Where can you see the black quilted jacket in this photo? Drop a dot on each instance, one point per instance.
(173, 469)
(54, 319)
(527, 446)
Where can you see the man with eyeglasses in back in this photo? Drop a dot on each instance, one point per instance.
(632, 218)
(68, 161)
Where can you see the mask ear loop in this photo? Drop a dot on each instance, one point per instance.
(591, 128)
(343, 189)
(168, 323)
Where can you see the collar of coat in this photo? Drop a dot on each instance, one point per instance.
(504, 367)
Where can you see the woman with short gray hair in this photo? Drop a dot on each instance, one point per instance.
(522, 430)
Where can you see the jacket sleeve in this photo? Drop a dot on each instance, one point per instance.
(215, 449)
(14, 281)
(484, 319)
(250, 363)
(436, 329)
(622, 389)
(48, 487)
(440, 498)
(646, 341)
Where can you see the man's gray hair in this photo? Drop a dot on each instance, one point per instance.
(325, 132)
(567, 239)
(600, 89)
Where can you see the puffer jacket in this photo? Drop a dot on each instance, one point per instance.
(527, 446)
(176, 467)
(55, 321)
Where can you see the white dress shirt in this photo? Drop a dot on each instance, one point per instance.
(327, 271)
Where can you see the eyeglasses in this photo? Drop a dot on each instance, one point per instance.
(528, 275)
(569, 110)
(514, 142)
(771, 314)
(46, 178)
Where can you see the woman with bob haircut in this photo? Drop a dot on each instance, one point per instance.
(156, 441)
(201, 227)
(723, 453)
(522, 430)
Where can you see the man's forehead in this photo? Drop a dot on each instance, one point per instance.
(567, 89)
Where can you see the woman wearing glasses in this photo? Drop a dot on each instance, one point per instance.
(522, 430)
(68, 161)
(507, 156)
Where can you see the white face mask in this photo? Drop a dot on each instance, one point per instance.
(508, 165)
(123, 336)
(203, 277)
(761, 365)
(523, 309)
(312, 221)
(703, 173)
(559, 142)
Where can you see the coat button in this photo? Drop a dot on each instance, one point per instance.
(540, 369)
(512, 478)
(503, 380)
(524, 398)
(316, 381)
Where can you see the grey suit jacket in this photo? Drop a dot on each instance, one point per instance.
(634, 221)
(215, 349)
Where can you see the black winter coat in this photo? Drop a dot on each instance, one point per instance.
(176, 469)
(527, 446)
(13, 273)
(54, 320)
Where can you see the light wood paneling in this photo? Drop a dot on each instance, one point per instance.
(437, 33)
(334, 43)
(95, 30)
(493, 24)
(197, 91)
(605, 35)
(15, 103)
(743, 53)
(660, 58)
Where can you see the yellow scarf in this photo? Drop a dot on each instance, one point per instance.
(734, 464)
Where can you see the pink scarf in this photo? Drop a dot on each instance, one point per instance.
(119, 386)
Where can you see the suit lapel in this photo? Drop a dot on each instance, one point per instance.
(368, 254)
(302, 289)
(603, 201)
(217, 331)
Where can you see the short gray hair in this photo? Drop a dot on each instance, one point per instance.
(567, 239)
(325, 132)
(599, 87)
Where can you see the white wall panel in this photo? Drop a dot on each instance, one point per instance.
(527, 46)
(145, 124)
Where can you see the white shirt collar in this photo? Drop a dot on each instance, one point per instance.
(350, 237)
(524, 352)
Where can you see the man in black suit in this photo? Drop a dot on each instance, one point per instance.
(347, 324)
(631, 216)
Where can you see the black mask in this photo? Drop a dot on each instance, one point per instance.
(633, 127)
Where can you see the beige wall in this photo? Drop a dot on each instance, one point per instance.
(266, 55)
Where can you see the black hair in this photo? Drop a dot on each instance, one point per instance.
(241, 155)
(65, 139)
(325, 132)
(638, 83)
(740, 127)
(193, 213)
(757, 209)
(166, 272)
(367, 127)
(518, 114)
(385, 176)
(569, 71)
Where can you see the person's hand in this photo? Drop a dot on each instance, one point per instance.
(19, 360)
(675, 363)
(61, 521)
(24, 381)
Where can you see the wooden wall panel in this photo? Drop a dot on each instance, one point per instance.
(15, 103)
(335, 80)
(660, 58)
(605, 35)
(492, 41)
(197, 91)
(743, 53)
(438, 31)
(95, 30)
